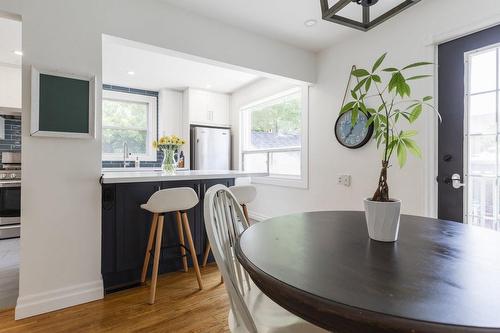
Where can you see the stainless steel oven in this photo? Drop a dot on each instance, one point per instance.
(10, 196)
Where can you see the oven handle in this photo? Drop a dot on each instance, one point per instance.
(11, 184)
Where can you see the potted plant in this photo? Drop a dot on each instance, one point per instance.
(384, 96)
(169, 145)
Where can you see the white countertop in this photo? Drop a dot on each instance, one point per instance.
(138, 176)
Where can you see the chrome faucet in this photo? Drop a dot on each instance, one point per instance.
(125, 154)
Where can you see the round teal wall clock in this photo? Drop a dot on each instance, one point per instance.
(356, 136)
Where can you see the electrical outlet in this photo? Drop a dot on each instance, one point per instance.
(344, 180)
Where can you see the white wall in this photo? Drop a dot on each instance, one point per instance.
(10, 86)
(408, 37)
(61, 215)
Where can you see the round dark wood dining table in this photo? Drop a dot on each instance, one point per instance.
(440, 276)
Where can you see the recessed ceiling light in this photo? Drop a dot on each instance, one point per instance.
(310, 23)
(131, 73)
(208, 86)
(17, 52)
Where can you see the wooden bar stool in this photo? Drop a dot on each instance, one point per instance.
(244, 194)
(177, 200)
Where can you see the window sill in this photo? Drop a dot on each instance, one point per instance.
(295, 182)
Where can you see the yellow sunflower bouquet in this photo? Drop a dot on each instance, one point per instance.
(169, 145)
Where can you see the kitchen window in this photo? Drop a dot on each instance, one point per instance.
(274, 138)
(129, 118)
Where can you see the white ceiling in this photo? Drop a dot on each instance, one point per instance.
(155, 70)
(10, 41)
(281, 19)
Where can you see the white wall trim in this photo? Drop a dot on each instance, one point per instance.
(257, 216)
(32, 305)
(464, 30)
(431, 164)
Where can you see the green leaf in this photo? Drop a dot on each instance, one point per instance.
(354, 117)
(408, 134)
(413, 148)
(368, 84)
(417, 77)
(347, 107)
(415, 113)
(369, 122)
(413, 105)
(402, 156)
(360, 72)
(407, 89)
(354, 95)
(360, 84)
(393, 82)
(376, 78)
(383, 119)
(417, 64)
(427, 98)
(390, 69)
(379, 62)
(392, 144)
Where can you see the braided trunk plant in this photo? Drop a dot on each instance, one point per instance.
(384, 97)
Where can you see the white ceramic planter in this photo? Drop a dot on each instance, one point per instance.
(382, 219)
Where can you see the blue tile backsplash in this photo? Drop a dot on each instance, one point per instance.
(12, 141)
(144, 164)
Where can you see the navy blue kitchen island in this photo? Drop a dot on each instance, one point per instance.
(125, 226)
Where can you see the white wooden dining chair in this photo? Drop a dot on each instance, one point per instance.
(250, 309)
(244, 194)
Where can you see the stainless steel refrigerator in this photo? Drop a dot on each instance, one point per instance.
(210, 148)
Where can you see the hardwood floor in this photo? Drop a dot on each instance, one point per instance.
(179, 307)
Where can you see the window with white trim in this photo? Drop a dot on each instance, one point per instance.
(274, 137)
(128, 118)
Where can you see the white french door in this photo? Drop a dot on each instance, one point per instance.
(481, 138)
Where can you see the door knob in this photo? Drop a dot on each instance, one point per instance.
(455, 181)
(447, 158)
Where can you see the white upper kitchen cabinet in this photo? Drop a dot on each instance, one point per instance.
(10, 66)
(10, 86)
(207, 108)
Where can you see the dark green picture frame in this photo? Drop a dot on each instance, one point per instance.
(62, 105)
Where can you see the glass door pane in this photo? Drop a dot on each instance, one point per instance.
(481, 137)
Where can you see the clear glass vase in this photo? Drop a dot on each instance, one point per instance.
(169, 163)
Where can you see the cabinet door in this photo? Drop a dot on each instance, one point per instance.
(132, 223)
(108, 233)
(218, 109)
(198, 106)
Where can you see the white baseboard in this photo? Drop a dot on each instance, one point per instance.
(257, 217)
(32, 305)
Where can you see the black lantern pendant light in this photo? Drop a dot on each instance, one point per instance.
(332, 13)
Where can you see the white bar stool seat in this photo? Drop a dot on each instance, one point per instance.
(244, 194)
(177, 200)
